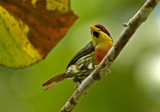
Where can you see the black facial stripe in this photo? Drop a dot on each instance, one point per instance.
(96, 34)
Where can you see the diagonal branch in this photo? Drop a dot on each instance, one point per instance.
(103, 68)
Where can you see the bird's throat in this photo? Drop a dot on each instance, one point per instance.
(102, 50)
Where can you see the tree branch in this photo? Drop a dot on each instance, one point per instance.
(103, 67)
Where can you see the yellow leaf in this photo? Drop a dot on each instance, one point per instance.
(30, 29)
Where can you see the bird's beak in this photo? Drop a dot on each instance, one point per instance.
(93, 28)
(95, 31)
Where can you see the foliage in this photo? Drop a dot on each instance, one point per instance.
(29, 30)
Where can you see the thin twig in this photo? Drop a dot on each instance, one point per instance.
(103, 68)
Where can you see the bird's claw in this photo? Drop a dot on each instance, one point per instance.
(109, 71)
(85, 93)
(96, 66)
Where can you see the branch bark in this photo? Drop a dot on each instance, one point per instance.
(103, 67)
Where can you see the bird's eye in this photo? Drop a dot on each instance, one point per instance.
(101, 28)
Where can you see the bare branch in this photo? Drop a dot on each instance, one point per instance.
(103, 68)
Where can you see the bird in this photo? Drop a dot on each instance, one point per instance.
(87, 59)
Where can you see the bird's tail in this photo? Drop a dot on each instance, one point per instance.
(53, 81)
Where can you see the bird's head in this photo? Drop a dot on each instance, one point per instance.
(100, 34)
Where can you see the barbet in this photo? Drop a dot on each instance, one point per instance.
(86, 60)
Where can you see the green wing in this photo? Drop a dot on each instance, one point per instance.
(84, 51)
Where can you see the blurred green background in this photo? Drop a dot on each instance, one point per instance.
(132, 86)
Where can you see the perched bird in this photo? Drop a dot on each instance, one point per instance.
(86, 60)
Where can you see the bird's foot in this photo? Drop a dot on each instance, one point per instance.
(96, 66)
(109, 71)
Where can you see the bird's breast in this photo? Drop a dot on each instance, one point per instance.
(101, 51)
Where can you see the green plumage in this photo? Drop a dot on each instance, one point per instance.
(82, 67)
(84, 51)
